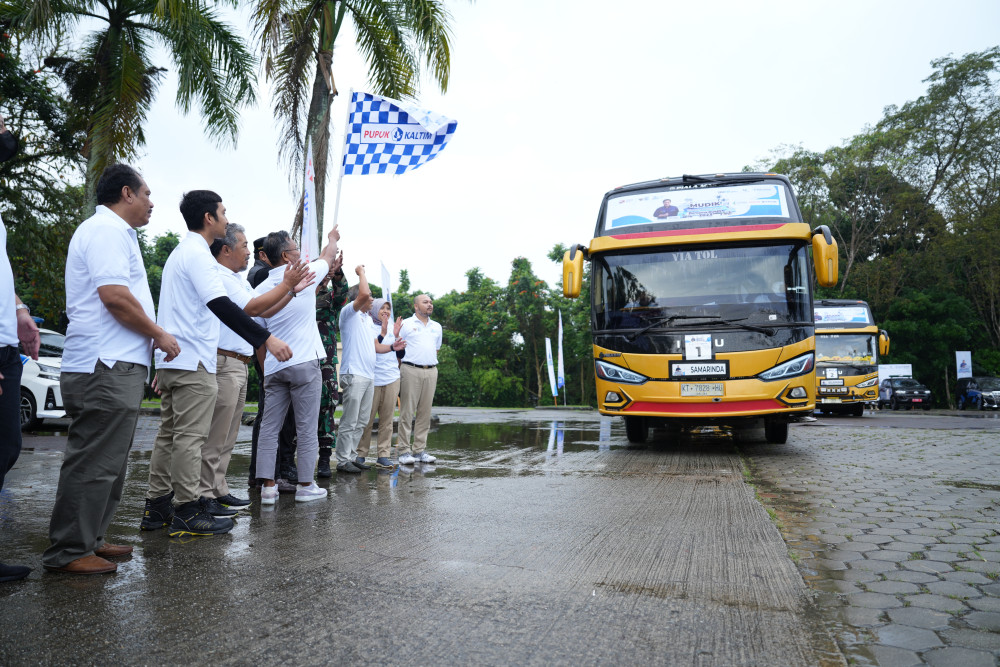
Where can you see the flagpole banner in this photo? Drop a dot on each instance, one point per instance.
(386, 136)
(310, 235)
(548, 363)
(387, 293)
(560, 371)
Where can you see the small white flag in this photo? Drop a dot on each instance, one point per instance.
(310, 235)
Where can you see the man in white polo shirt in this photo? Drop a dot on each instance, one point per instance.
(232, 254)
(357, 373)
(193, 300)
(16, 325)
(298, 380)
(418, 380)
(105, 362)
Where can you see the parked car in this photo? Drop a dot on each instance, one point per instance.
(40, 395)
(903, 392)
(978, 393)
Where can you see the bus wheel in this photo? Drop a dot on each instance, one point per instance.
(776, 432)
(858, 409)
(636, 429)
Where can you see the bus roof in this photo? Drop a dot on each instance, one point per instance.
(692, 202)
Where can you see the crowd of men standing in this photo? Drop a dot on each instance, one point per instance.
(210, 326)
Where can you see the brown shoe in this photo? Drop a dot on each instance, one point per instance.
(112, 550)
(86, 565)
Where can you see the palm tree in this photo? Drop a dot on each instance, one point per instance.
(111, 79)
(396, 37)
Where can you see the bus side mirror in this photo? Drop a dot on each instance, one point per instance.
(573, 272)
(883, 342)
(825, 256)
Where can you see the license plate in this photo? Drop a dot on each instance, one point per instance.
(916, 400)
(830, 400)
(702, 389)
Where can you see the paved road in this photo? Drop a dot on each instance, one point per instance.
(894, 521)
(539, 538)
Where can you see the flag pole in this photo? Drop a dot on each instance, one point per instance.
(343, 150)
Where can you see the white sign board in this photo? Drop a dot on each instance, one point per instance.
(735, 201)
(963, 362)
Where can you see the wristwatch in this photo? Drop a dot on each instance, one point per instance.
(23, 306)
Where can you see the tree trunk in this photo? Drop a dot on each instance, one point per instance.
(318, 129)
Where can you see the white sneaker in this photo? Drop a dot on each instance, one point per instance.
(304, 494)
(424, 457)
(268, 495)
(407, 459)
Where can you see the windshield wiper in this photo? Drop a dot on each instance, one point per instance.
(664, 320)
(736, 323)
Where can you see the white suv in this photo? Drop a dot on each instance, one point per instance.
(40, 395)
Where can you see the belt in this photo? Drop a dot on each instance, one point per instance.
(234, 355)
(419, 366)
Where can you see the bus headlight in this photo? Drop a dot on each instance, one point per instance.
(613, 373)
(797, 366)
(868, 383)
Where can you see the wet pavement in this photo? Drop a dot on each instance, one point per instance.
(894, 521)
(539, 537)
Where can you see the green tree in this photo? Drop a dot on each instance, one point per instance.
(297, 39)
(154, 256)
(112, 81)
(578, 348)
(527, 296)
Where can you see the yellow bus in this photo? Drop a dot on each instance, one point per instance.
(848, 345)
(701, 303)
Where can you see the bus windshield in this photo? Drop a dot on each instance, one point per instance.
(846, 348)
(765, 285)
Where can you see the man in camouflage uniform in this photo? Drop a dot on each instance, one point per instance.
(331, 296)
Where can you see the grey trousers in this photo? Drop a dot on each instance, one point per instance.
(301, 383)
(356, 404)
(103, 407)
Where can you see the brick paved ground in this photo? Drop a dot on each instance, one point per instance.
(897, 530)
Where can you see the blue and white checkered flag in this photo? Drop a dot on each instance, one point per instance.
(386, 136)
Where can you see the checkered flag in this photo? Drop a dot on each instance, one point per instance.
(386, 136)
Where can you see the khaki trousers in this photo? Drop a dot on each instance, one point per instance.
(103, 407)
(416, 395)
(231, 379)
(186, 407)
(383, 405)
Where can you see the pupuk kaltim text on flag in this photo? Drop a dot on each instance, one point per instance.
(386, 136)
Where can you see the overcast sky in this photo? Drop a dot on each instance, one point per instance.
(559, 102)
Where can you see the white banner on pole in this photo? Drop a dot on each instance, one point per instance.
(387, 292)
(548, 363)
(560, 371)
(963, 362)
(310, 234)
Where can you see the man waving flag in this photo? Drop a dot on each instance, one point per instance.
(386, 136)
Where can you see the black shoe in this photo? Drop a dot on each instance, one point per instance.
(232, 502)
(348, 467)
(13, 572)
(193, 519)
(360, 462)
(159, 512)
(289, 472)
(215, 508)
(323, 468)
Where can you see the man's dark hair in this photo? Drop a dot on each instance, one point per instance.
(113, 179)
(194, 206)
(274, 245)
(232, 229)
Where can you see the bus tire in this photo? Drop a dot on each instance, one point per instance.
(636, 429)
(776, 432)
(858, 409)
